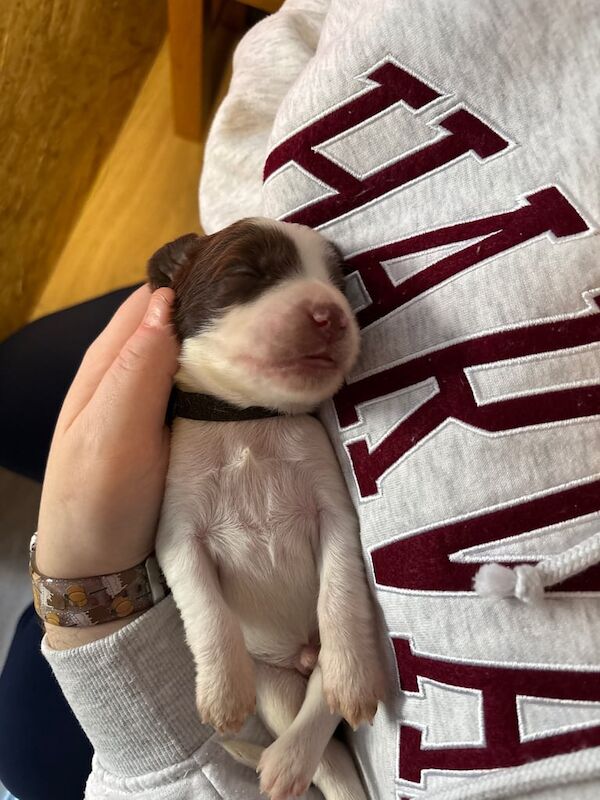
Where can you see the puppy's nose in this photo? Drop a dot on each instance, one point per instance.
(329, 315)
(330, 319)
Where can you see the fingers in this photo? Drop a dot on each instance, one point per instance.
(102, 353)
(135, 389)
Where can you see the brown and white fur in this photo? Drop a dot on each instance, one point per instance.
(258, 538)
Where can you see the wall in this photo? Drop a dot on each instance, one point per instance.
(69, 72)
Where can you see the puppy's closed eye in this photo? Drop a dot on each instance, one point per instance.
(243, 271)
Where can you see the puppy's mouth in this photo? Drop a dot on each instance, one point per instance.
(305, 365)
(319, 361)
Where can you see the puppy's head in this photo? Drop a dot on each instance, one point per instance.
(260, 314)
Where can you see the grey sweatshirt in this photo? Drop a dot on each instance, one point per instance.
(133, 693)
(451, 151)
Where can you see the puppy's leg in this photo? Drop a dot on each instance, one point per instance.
(225, 693)
(336, 775)
(295, 711)
(350, 657)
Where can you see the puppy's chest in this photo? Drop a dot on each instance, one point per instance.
(250, 488)
(263, 504)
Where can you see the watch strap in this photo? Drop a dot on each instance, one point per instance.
(81, 602)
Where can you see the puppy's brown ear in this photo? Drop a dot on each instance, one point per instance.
(166, 262)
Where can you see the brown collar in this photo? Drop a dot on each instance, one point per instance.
(190, 405)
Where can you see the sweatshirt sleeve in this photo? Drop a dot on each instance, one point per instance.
(133, 694)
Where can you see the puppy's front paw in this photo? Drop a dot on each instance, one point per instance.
(226, 698)
(352, 686)
(284, 769)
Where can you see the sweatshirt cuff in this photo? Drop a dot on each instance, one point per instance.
(133, 693)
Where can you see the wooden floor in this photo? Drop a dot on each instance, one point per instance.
(145, 194)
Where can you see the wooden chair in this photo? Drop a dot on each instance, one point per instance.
(202, 35)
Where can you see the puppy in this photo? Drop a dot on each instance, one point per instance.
(258, 538)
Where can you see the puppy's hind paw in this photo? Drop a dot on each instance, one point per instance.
(284, 771)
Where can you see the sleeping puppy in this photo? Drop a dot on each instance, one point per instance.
(258, 538)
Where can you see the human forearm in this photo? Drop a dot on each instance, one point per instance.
(59, 638)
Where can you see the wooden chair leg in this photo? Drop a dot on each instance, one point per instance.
(202, 35)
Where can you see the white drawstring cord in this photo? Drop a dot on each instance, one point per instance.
(527, 582)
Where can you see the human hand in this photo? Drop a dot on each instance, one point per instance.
(106, 469)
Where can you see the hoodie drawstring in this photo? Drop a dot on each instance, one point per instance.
(527, 582)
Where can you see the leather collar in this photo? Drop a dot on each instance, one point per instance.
(190, 405)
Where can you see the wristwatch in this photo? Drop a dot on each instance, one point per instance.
(81, 602)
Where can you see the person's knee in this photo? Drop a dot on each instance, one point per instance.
(38, 729)
(37, 365)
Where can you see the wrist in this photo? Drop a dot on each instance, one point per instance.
(67, 638)
(90, 601)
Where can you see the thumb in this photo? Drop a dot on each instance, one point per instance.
(135, 390)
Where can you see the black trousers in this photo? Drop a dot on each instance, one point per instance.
(44, 754)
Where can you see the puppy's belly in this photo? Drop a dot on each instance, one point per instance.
(275, 595)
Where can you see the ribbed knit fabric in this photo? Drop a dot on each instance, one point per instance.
(145, 670)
